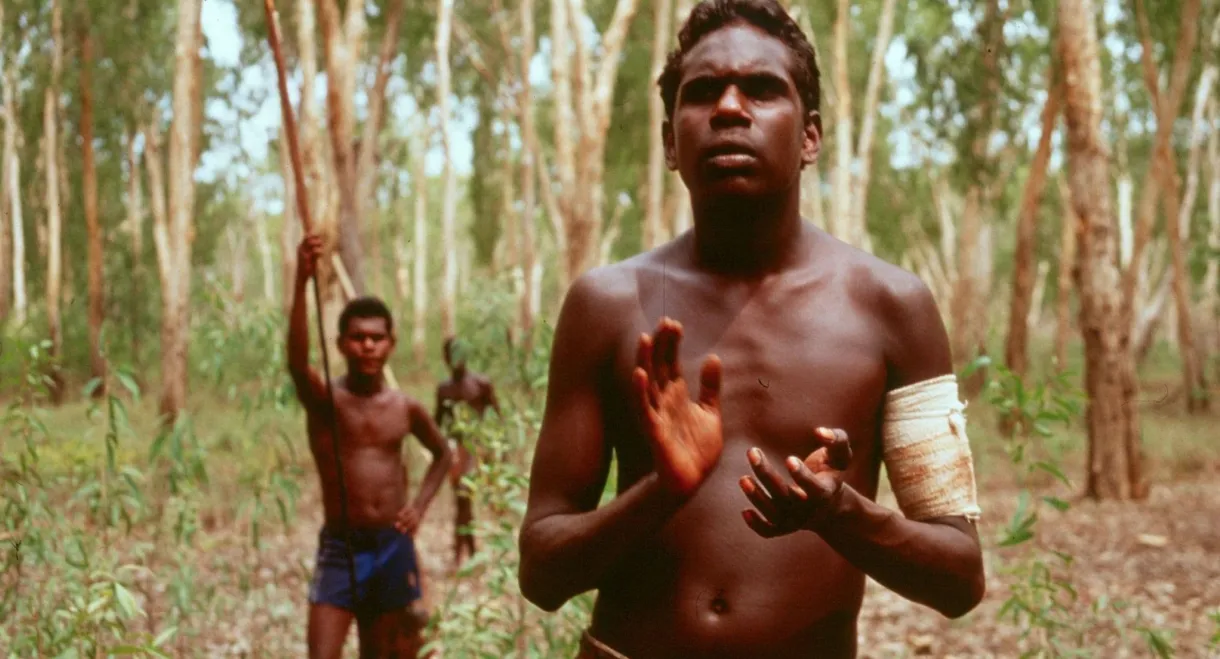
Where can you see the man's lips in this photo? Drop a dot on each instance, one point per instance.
(730, 155)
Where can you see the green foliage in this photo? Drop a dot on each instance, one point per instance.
(1044, 602)
(484, 614)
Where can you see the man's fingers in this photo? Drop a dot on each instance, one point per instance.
(817, 461)
(647, 416)
(758, 496)
(760, 526)
(768, 476)
(807, 481)
(709, 382)
(643, 354)
(838, 447)
(665, 351)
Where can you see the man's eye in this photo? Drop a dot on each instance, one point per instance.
(700, 91)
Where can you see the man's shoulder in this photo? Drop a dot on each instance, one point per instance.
(607, 289)
(891, 290)
(407, 401)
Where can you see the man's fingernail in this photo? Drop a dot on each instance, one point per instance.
(800, 493)
(755, 456)
(746, 484)
(794, 463)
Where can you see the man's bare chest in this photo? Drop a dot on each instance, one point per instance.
(791, 361)
(371, 423)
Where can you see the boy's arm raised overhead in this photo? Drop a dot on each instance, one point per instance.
(311, 390)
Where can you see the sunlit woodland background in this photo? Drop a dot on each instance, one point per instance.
(1050, 169)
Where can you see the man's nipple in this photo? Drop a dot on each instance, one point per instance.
(719, 605)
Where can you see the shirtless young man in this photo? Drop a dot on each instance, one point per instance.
(477, 391)
(373, 421)
(744, 522)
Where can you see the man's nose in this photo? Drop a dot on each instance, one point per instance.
(731, 108)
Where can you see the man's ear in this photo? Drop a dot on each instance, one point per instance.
(812, 146)
(667, 138)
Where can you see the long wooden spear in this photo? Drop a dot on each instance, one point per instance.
(302, 197)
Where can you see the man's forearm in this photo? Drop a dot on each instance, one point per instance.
(298, 330)
(935, 564)
(567, 554)
(434, 478)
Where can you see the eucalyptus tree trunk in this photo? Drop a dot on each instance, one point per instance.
(1114, 457)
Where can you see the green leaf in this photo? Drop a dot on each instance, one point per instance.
(164, 636)
(128, 383)
(91, 386)
(127, 603)
(1057, 503)
(1053, 470)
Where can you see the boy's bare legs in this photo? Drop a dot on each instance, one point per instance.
(328, 627)
(393, 635)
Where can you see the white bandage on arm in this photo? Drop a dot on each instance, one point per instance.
(926, 451)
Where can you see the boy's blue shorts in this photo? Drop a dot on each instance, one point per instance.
(387, 571)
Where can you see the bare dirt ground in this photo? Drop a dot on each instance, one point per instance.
(1161, 557)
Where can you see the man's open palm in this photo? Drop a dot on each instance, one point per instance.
(685, 434)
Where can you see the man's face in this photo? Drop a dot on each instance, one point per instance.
(366, 345)
(738, 128)
(455, 356)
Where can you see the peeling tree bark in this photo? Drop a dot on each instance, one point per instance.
(1114, 463)
(184, 129)
(93, 228)
(342, 44)
(420, 185)
(868, 120)
(1017, 347)
(1178, 224)
(840, 177)
(654, 209)
(1067, 266)
(135, 227)
(968, 309)
(583, 106)
(10, 121)
(366, 163)
(444, 30)
(1168, 105)
(528, 310)
(50, 123)
(1211, 298)
(12, 186)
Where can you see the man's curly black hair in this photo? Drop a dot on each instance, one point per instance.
(365, 307)
(766, 15)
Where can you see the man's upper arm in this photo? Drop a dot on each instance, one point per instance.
(311, 390)
(920, 351)
(918, 342)
(571, 460)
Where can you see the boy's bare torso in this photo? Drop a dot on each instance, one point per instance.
(371, 433)
(800, 349)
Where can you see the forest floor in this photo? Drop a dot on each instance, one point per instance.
(1159, 558)
(1140, 571)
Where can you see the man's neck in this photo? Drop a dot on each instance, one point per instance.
(748, 236)
(364, 385)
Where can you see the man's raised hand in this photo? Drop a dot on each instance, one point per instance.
(308, 253)
(685, 435)
(780, 507)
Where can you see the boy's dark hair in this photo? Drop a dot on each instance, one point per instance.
(365, 307)
(766, 15)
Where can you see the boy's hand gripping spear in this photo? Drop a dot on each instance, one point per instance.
(302, 197)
